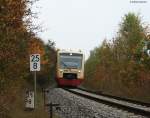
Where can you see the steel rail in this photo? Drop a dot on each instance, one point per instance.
(116, 97)
(118, 104)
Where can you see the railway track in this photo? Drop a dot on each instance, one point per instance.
(135, 107)
(116, 97)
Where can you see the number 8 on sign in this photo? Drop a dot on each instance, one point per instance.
(35, 62)
(35, 65)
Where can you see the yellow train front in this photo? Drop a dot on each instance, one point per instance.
(70, 68)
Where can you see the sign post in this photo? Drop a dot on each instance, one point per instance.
(35, 89)
(51, 105)
(35, 66)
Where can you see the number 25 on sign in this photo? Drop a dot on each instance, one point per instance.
(35, 62)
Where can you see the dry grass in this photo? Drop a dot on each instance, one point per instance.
(18, 109)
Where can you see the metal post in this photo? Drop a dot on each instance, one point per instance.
(34, 89)
(51, 110)
(51, 105)
(44, 95)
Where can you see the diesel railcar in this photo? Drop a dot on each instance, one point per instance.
(69, 68)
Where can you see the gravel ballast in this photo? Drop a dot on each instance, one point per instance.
(73, 106)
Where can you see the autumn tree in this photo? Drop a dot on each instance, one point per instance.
(47, 74)
(48, 59)
(15, 32)
(13, 38)
(119, 66)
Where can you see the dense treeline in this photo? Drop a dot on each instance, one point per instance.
(17, 42)
(122, 67)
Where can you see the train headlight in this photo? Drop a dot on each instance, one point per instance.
(79, 71)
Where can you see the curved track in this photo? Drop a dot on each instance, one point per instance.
(124, 104)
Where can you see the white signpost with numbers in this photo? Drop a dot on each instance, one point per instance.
(35, 62)
(35, 66)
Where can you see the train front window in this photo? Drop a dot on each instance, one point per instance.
(72, 60)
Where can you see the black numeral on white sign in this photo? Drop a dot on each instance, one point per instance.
(35, 58)
(35, 65)
(35, 62)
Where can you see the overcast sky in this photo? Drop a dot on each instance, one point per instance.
(84, 24)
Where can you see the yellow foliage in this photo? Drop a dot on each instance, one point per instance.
(36, 46)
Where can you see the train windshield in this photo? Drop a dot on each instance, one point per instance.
(71, 60)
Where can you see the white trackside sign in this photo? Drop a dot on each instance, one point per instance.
(35, 62)
(148, 52)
